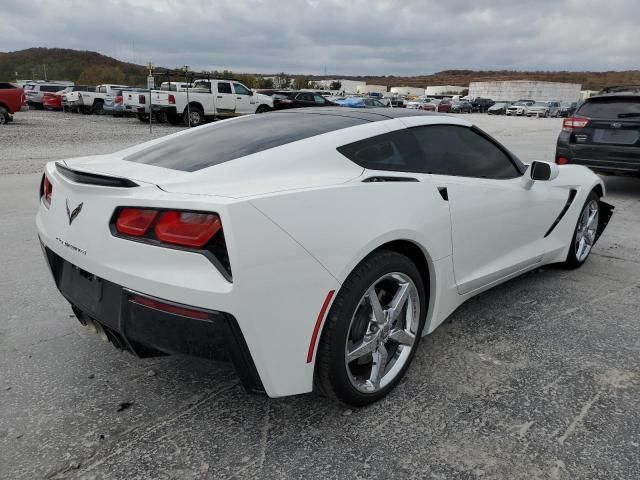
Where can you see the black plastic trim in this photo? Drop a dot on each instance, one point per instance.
(444, 193)
(572, 196)
(148, 332)
(606, 212)
(94, 178)
(379, 178)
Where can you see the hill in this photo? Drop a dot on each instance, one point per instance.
(91, 68)
(82, 67)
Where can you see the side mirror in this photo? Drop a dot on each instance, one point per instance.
(251, 93)
(543, 171)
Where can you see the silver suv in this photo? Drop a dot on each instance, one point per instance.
(34, 91)
(544, 109)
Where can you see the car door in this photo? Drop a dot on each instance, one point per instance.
(498, 224)
(225, 98)
(244, 99)
(305, 99)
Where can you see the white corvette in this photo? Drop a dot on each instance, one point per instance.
(311, 247)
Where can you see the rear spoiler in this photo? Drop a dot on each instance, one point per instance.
(94, 178)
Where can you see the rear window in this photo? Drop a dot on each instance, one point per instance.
(52, 88)
(611, 108)
(221, 142)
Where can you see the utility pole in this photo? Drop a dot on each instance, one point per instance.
(150, 85)
(186, 79)
(44, 67)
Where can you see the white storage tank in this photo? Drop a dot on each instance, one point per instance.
(408, 91)
(368, 89)
(436, 90)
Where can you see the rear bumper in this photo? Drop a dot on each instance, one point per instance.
(115, 312)
(168, 109)
(613, 159)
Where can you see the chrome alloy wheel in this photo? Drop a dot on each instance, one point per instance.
(382, 332)
(586, 231)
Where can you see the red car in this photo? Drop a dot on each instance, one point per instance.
(53, 100)
(444, 106)
(12, 100)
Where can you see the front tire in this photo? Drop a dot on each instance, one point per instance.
(4, 116)
(98, 108)
(584, 235)
(262, 109)
(372, 330)
(195, 114)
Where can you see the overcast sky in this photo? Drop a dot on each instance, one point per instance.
(403, 37)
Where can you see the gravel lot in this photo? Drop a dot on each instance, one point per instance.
(535, 379)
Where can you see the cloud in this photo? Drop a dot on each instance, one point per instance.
(342, 36)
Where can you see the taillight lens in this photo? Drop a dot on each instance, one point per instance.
(118, 99)
(142, 99)
(46, 191)
(562, 160)
(187, 228)
(575, 122)
(135, 221)
(172, 100)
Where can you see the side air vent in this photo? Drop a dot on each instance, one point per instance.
(389, 179)
(572, 195)
(94, 178)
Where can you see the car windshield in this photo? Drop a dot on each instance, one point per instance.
(619, 107)
(540, 104)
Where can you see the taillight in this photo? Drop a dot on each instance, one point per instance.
(118, 99)
(575, 122)
(186, 228)
(135, 221)
(562, 160)
(172, 100)
(142, 99)
(200, 232)
(46, 190)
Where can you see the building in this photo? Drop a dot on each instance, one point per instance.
(369, 89)
(347, 87)
(511, 90)
(407, 91)
(438, 90)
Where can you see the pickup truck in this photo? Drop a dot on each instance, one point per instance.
(209, 99)
(137, 103)
(92, 102)
(12, 99)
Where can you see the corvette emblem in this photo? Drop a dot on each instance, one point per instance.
(73, 214)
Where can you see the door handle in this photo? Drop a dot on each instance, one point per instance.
(238, 98)
(219, 96)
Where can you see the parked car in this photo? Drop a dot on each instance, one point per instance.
(603, 134)
(361, 102)
(75, 88)
(210, 98)
(12, 100)
(92, 101)
(499, 108)
(136, 101)
(519, 108)
(315, 247)
(567, 109)
(285, 99)
(57, 100)
(35, 91)
(113, 105)
(543, 109)
(444, 106)
(461, 106)
(422, 104)
(481, 105)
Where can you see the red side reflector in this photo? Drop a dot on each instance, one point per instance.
(135, 221)
(316, 329)
(187, 228)
(562, 160)
(174, 309)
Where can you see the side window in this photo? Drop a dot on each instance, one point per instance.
(224, 87)
(305, 97)
(319, 99)
(459, 151)
(240, 89)
(102, 89)
(396, 151)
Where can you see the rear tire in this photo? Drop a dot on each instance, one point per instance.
(360, 358)
(196, 114)
(262, 109)
(585, 232)
(4, 116)
(98, 108)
